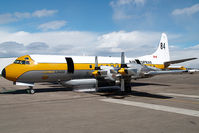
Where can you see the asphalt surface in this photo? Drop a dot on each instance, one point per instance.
(162, 104)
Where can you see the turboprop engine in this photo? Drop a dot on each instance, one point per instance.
(106, 73)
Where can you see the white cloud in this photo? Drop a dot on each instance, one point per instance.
(122, 8)
(52, 39)
(7, 18)
(44, 13)
(53, 25)
(128, 40)
(187, 11)
(120, 15)
(126, 2)
(16, 16)
(21, 15)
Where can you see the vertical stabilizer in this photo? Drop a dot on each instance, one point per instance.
(161, 55)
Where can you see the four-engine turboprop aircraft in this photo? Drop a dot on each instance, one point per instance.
(89, 70)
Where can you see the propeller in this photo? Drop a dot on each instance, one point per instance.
(96, 73)
(96, 64)
(123, 72)
(97, 68)
(109, 73)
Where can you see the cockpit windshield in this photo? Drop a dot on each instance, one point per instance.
(21, 62)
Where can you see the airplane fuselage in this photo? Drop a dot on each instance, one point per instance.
(49, 68)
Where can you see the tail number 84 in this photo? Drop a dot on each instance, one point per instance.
(162, 45)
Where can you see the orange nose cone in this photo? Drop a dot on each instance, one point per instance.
(11, 73)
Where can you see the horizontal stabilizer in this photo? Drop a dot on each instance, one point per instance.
(167, 63)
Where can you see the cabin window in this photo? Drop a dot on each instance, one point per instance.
(90, 66)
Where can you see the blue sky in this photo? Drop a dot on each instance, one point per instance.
(85, 26)
(99, 15)
(88, 15)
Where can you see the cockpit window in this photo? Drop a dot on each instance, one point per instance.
(17, 62)
(21, 62)
(27, 62)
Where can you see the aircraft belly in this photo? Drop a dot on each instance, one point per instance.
(53, 75)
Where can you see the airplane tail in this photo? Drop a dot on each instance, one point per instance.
(161, 58)
(161, 55)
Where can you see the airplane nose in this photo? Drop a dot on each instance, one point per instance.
(3, 73)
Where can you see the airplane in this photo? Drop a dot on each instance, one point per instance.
(95, 71)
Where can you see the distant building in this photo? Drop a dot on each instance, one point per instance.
(5, 61)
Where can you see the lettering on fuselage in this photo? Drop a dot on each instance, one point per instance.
(54, 71)
(142, 62)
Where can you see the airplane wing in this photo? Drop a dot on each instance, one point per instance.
(167, 63)
(153, 73)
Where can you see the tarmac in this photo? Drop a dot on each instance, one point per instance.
(161, 104)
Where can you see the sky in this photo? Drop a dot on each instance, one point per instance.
(99, 27)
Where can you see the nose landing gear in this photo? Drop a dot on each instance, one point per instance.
(30, 90)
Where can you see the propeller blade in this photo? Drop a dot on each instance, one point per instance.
(122, 60)
(96, 63)
(96, 86)
(122, 71)
(123, 65)
(122, 85)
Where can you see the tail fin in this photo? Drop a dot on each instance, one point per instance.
(162, 53)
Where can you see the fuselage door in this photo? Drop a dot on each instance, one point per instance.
(70, 64)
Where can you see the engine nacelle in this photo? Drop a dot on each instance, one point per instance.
(87, 83)
(80, 82)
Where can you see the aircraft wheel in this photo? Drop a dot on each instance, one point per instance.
(30, 91)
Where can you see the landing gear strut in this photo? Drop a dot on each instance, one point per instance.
(30, 90)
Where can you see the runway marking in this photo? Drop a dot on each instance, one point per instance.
(154, 107)
(180, 95)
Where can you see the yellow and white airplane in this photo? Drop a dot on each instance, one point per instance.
(89, 70)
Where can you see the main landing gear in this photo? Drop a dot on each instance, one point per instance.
(30, 90)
